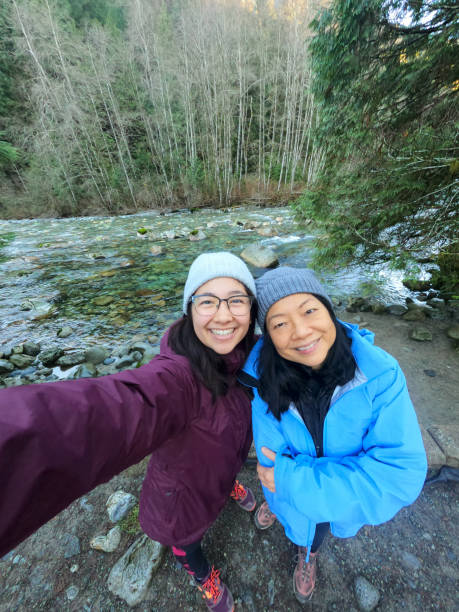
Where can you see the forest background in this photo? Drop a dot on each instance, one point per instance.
(347, 109)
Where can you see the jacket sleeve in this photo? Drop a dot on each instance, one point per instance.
(60, 440)
(372, 486)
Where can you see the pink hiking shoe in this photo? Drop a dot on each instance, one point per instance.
(243, 496)
(215, 593)
(304, 576)
(264, 518)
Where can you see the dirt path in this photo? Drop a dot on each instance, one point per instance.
(411, 560)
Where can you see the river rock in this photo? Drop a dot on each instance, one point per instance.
(453, 331)
(85, 370)
(436, 303)
(260, 256)
(18, 349)
(421, 334)
(107, 543)
(417, 285)
(266, 231)
(156, 250)
(196, 235)
(71, 359)
(49, 357)
(397, 309)
(358, 304)
(103, 300)
(22, 361)
(414, 314)
(64, 332)
(31, 348)
(367, 595)
(409, 561)
(378, 308)
(95, 355)
(119, 504)
(5, 366)
(130, 577)
(447, 438)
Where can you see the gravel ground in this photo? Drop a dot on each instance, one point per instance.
(412, 560)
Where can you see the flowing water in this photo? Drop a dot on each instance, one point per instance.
(103, 278)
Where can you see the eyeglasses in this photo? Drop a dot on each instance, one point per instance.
(208, 304)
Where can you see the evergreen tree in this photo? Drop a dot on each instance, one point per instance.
(386, 78)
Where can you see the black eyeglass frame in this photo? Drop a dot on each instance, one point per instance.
(220, 300)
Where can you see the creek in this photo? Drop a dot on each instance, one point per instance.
(103, 278)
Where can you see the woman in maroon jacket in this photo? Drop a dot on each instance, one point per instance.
(60, 440)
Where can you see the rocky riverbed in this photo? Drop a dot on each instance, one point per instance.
(409, 563)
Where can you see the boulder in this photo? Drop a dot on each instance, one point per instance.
(71, 359)
(22, 361)
(421, 334)
(414, 314)
(130, 577)
(5, 366)
(447, 438)
(435, 456)
(119, 504)
(397, 309)
(31, 348)
(95, 355)
(49, 357)
(108, 542)
(260, 256)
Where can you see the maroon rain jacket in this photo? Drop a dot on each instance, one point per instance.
(60, 440)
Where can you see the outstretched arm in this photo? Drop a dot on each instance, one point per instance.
(60, 440)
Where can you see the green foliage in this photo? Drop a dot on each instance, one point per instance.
(106, 12)
(8, 154)
(387, 98)
(130, 524)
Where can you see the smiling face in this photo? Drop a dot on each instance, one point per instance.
(301, 329)
(221, 331)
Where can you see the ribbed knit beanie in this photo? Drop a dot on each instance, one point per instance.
(281, 282)
(213, 265)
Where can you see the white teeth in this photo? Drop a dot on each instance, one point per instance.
(222, 332)
(306, 348)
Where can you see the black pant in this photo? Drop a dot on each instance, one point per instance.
(192, 559)
(321, 531)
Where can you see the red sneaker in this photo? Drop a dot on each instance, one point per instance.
(243, 496)
(215, 593)
(304, 576)
(264, 518)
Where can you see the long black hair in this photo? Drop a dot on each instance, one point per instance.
(282, 382)
(209, 366)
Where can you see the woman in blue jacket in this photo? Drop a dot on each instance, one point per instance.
(336, 435)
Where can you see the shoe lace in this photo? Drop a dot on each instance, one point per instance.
(211, 587)
(238, 492)
(305, 567)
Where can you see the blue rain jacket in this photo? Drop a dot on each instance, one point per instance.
(374, 460)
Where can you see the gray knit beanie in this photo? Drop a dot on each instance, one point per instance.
(213, 265)
(281, 282)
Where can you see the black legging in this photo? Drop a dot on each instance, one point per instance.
(193, 560)
(319, 536)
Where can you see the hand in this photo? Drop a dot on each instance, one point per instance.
(266, 474)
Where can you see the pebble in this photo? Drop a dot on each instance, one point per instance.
(367, 595)
(71, 592)
(409, 561)
(107, 543)
(109, 361)
(431, 373)
(71, 545)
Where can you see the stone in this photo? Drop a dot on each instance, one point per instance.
(18, 350)
(124, 362)
(397, 309)
(421, 334)
(71, 359)
(367, 595)
(409, 561)
(414, 314)
(437, 303)
(197, 235)
(417, 285)
(95, 355)
(49, 357)
(435, 456)
(453, 331)
(260, 256)
(378, 308)
(103, 300)
(71, 545)
(107, 543)
(85, 370)
(156, 250)
(5, 366)
(130, 577)
(22, 361)
(119, 504)
(40, 308)
(72, 592)
(64, 332)
(31, 348)
(447, 438)
(266, 231)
